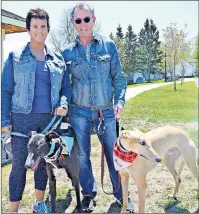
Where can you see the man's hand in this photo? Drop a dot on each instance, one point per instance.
(117, 110)
(61, 111)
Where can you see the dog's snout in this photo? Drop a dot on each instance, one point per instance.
(29, 161)
(158, 159)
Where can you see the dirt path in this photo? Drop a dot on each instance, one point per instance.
(132, 92)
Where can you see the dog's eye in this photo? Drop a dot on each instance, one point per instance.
(142, 142)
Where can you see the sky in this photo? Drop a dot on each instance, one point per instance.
(109, 14)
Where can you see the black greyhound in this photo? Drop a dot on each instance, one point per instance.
(40, 146)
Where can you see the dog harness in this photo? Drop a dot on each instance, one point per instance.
(122, 157)
(63, 144)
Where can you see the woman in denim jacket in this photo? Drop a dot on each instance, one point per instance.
(35, 83)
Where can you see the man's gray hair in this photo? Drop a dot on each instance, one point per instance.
(82, 5)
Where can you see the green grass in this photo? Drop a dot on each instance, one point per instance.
(145, 83)
(164, 106)
(150, 109)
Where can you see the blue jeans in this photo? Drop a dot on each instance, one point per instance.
(81, 119)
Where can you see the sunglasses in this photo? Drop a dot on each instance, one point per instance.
(86, 20)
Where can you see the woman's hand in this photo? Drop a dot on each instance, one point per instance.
(61, 111)
(6, 129)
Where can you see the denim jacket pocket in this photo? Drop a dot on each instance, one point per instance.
(104, 63)
(20, 65)
(75, 68)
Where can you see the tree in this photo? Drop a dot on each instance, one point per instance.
(195, 54)
(149, 52)
(120, 44)
(66, 33)
(184, 52)
(176, 47)
(111, 36)
(131, 44)
(119, 33)
(121, 47)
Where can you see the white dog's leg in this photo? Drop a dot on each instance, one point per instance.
(141, 185)
(125, 183)
(170, 159)
(178, 180)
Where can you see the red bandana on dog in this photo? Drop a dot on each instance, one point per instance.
(122, 158)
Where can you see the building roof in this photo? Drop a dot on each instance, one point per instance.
(12, 15)
(12, 23)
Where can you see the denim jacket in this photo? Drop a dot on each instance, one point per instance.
(98, 83)
(18, 82)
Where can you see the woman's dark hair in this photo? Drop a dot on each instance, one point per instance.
(37, 14)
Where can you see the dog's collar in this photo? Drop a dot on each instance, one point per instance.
(122, 153)
(121, 146)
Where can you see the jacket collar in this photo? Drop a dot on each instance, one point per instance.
(26, 50)
(96, 38)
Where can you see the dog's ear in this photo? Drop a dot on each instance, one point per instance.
(125, 134)
(31, 133)
(122, 128)
(49, 135)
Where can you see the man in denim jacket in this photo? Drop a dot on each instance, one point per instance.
(98, 83)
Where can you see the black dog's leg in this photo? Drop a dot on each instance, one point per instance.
(75, 182)
(52, 187)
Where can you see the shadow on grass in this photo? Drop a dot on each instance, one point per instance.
(197, 211)
(114, 208)
(172, 206)
(63, 204)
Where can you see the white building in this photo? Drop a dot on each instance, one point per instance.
(190, 68)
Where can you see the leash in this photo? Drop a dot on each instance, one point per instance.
(51, 124)
(101, 129)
